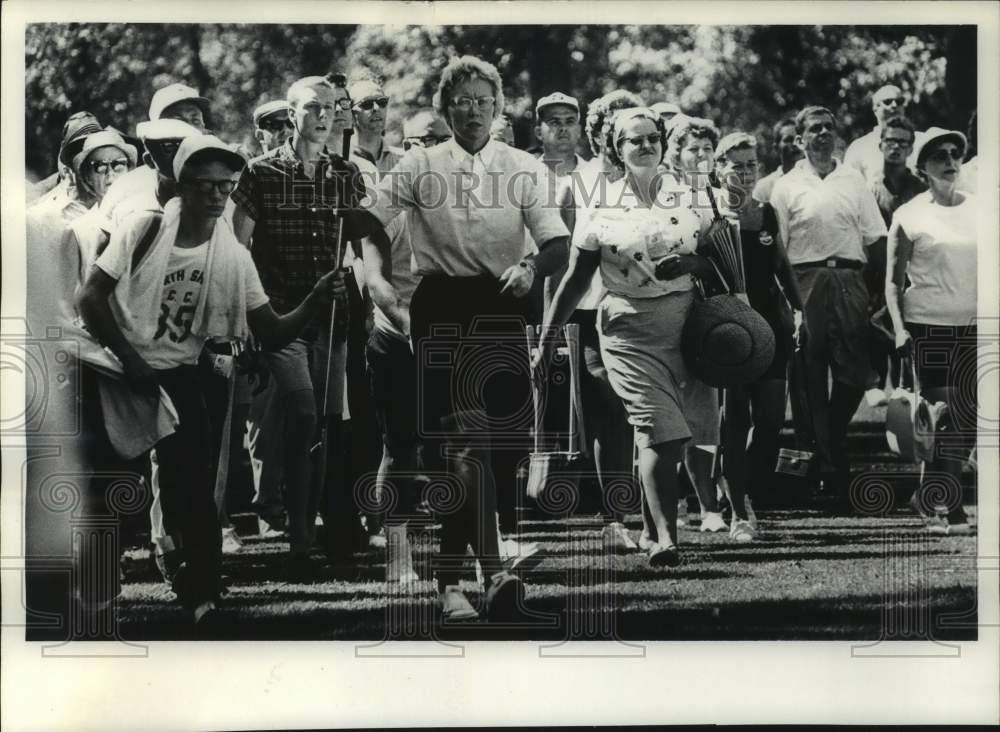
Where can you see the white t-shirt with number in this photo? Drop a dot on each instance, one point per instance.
(174, 344)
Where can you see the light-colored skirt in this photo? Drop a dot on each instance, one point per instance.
(641, 347)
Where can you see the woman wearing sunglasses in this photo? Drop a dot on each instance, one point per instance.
(644, 245)
(932, 241)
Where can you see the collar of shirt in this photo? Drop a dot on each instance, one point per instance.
(461, 155)
(287, 153)
(805, 168)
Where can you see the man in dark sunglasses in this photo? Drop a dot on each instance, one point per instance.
(151, 185)
(272, 127)
(371, 107)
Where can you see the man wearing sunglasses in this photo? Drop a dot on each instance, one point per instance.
(272, 127)
(426, 128)
(827, 218)
(371, 107)
(865, 152)
(190, 282)
(289, 205)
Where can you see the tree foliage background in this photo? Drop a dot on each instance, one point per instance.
(742, 77)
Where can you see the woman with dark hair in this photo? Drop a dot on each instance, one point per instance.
(932, 242)
(643, 241)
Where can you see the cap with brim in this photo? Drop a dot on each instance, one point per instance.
(269, 109)
(165, 129)
(555, 98)
(662, 108)
(936, 134)
(734, 139)
(74, 132)
(105, 138)
(195, 145)
(170, 95)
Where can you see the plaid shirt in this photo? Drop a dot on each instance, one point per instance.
(295, 229)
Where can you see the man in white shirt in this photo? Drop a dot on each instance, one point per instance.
(783, 136)
(827, 216)
(864, 153)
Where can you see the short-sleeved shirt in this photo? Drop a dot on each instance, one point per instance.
(762, 191)
(467, 213)
(943, 267)
(822, 218)
(890, 197)
(632, 238)
(173, 344)
(295, 219)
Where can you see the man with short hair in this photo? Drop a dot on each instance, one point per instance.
(864, 153)
(289, 208)
(180, 101)
(827, 217)
(188, 282)
(892, 189)
(271, 124)
(783, 137)
(371, 105)
(557, 127)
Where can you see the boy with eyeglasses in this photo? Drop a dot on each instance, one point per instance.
(865, 153)
(892, 189)
(192, 281)
(289, 206)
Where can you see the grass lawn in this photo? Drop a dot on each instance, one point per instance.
(807, 577)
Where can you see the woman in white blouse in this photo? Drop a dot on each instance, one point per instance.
(643, 240)
(932, 241)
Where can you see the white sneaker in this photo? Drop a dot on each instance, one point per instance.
(399, 556)
(712, 521)
(645, 542)
(517, 555)
(267, 531)
(455, 606)
(876, 398)
(618, 535)
(751, 516)
(231, 543)
(377, 541)
(741, 531)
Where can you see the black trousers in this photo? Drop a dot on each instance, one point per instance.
(471, 354)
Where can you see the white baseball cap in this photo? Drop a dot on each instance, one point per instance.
(172, 94)
(195, 144)
(165, 129)
(556, 98)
